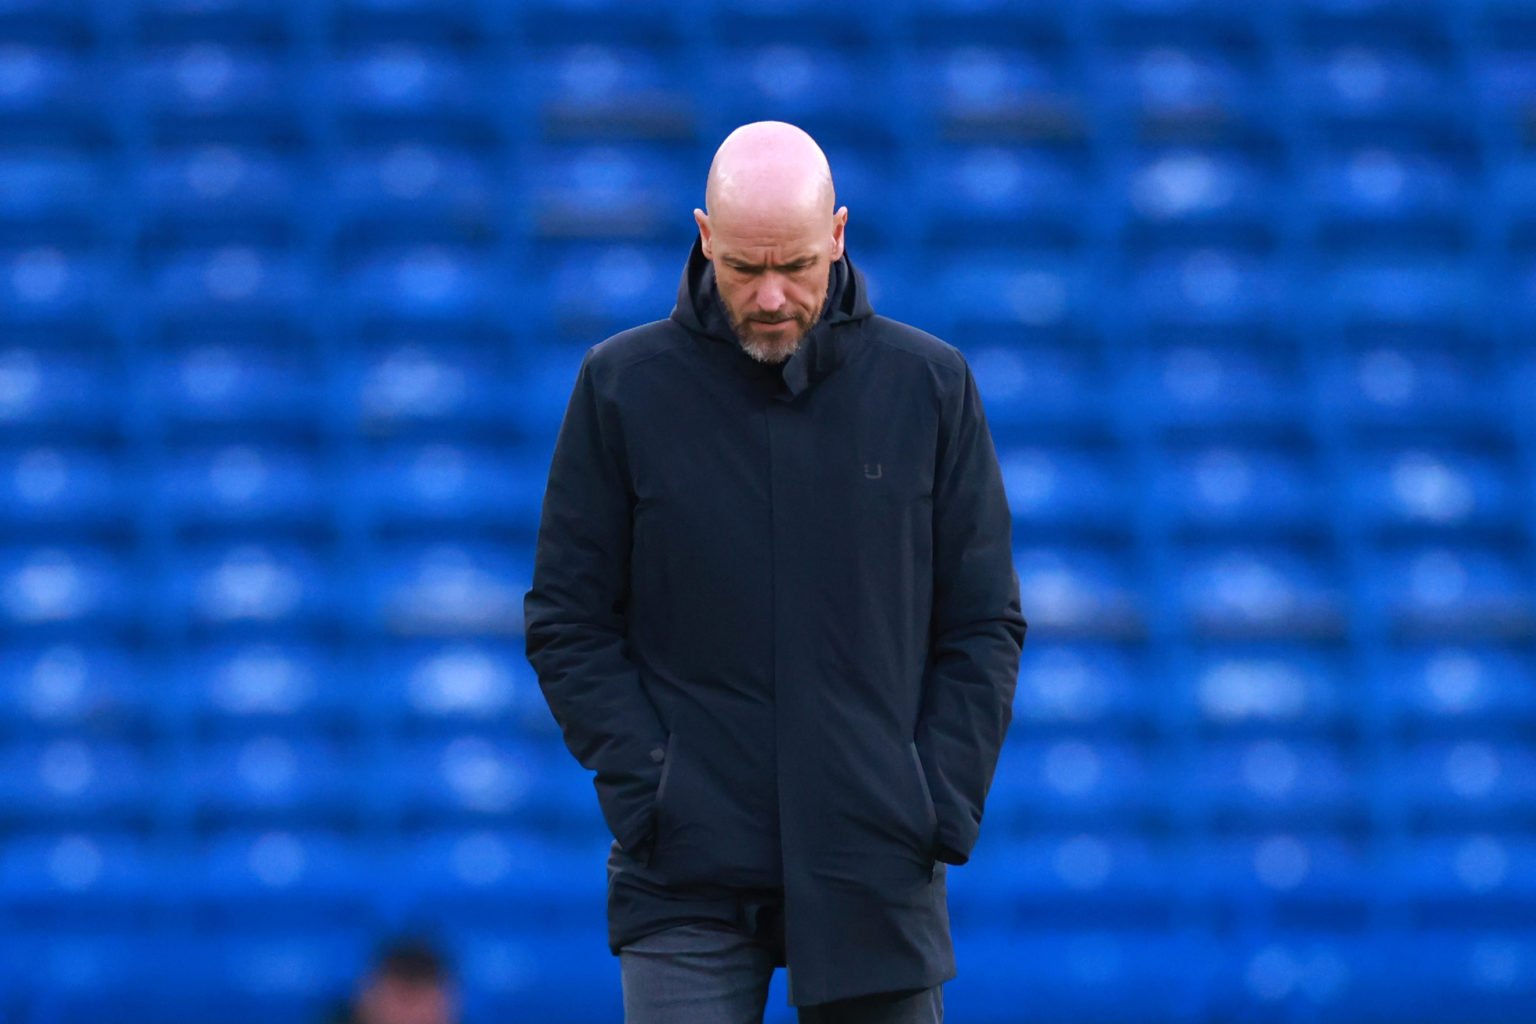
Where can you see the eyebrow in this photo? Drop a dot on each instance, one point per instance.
(739, 264)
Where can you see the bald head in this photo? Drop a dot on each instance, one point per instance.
(772, 167)
(772, 234)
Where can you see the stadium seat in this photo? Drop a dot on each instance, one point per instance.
(62, 487)
(1270, 782)
(1228, 488)
(1433, 491)
(1080, 591)
(1073, 686)
(70, 686)
(1064, 488)
(1484, 688)
(1260, 590)
(1453, 591)
(1267, 688)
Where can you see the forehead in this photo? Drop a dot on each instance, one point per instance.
(777, 233)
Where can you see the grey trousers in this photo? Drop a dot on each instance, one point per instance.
(715, 974)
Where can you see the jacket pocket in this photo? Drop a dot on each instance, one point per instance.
(930, 813)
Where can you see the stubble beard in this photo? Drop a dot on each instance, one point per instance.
(770, 351)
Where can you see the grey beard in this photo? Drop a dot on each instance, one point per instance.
(771, 355)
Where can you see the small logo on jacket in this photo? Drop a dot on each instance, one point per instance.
(872, 470)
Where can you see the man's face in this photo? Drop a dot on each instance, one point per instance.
(391, 1000)
(772, 273)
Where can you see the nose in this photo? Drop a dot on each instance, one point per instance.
(770, 293)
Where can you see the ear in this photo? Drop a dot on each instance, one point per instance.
(839, 222)
(705, 241)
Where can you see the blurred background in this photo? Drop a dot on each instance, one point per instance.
(293, 293)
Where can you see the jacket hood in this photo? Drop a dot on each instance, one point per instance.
(825, 348)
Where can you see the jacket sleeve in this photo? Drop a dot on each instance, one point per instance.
(574, 618)
(977, 629)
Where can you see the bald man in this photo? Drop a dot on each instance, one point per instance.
(775, 614)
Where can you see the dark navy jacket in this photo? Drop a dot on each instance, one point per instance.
(774, 610)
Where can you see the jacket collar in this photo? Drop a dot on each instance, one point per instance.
(826, 347)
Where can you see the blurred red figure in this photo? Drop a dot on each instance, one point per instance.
(409, 984)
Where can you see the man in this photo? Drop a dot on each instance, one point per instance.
(410, 983)
(774, 610)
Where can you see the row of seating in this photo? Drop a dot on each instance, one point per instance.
(1266, 781)
(1075, 688)
(1243, 489)
(1129, 976)
(442, 587)
(1433, 391)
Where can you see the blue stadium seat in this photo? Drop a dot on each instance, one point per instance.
(402, 82)
(1437, 590)
(1220, 387)
(1229, 488)
(233, 381)
(807, 83)
(961, 21)
(1304, 972)
(431, 284)
(264, 486)
(58, 391)
(49, 185)
(1025, 387)
(74, 780)
(1433, 490)
(71, 686)
(262, 685)
(1120, 975)
(410, 383)
(596, 291)
(1064, 488)
(464, 777)
(600, 92)
(46, 92)
(1475, 876)
(467, 588)
(1071, 780)
(516, 973)
(982, 92)
(1361, 84)
(1273, 781)
(65, 586)
(422, 182)
(609, 193)
(1329, 872)
(93, 872)
(1089, 875)
(1034, 291)
(1267, 688)
(495, 875)
(1071, 686)
(1424, 295)
(1504, 80)
(48, 285)
(221, 182)
(1001, 194)
(249, 584)
(303, 875)
(1080, 591)
(1391, 383)
(1186, 188)
(1260, 590)
(238, 282)
(1362, 189)
(61, 487)
(1209, 287)
(450, 485)
(270, 777)
(211, 84)
(1174, 91)
(1483, 687)
(1463, 780)
(445, 686)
